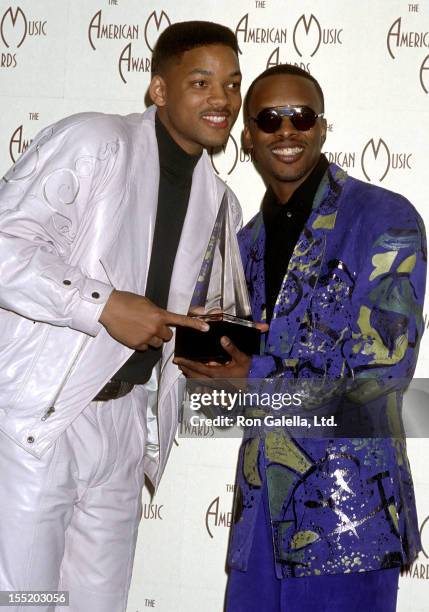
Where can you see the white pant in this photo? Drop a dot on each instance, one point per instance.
(69, 521)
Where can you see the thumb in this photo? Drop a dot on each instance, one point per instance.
(263, 327)
(230, 348)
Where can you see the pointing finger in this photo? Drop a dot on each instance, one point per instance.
(176, 319)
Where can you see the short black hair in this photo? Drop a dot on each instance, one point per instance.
(186, 35)
(282, 69)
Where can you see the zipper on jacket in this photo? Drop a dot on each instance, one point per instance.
(67, 375)
(48, 413)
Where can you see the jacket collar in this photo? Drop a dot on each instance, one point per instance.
(304, 265)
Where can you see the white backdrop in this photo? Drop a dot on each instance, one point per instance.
(58, 57)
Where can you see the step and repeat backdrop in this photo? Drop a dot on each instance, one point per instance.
(59, 57)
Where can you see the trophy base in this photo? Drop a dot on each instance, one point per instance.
(206, 346)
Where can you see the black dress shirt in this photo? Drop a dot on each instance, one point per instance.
(283, 226)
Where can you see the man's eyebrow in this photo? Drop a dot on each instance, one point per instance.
(205, 72)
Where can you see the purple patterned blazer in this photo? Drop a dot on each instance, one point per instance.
(350, 307)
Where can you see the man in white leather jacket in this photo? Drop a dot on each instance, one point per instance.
(77, 218)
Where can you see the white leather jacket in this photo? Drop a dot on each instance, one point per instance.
(77, 214)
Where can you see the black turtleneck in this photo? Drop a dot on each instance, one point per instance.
(283, 226)
(175, 181)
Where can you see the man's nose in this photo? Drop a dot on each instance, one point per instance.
(286, 126)
(217, 96)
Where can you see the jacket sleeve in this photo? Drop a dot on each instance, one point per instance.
(46, 203)
(389, 298)
(379, 352)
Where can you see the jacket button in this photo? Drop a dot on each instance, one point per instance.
(30, 439)
(66, 282)
(95, 294)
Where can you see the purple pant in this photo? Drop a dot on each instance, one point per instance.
(259, 590)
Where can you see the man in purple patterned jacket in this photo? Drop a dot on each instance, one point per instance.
(337, 267)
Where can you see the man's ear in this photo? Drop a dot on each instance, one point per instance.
(158, 90)
(246, 138)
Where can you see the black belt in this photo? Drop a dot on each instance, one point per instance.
(113, 390)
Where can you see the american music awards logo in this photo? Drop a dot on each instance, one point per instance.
(249, 32)
(224, 159)
(401, 36)
(420, 568)
(130, 59)
(153, 512)
(219, 513)
(186, 430)
(307, 35)
(15, 28)
(424, 74)
(377, 160)
(424, 536)
(344, 159)
(276, 58)
(18, 143)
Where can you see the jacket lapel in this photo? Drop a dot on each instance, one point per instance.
(252, 247)
(199, 221)
(305, 264)
(126, 258)
(205, 197)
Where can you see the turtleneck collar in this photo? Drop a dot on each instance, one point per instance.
(174, 162)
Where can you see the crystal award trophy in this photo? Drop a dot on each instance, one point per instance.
(220, 298)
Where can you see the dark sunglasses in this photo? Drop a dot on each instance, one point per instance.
(269, 120)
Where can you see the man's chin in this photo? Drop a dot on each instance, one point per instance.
(292, 176)
(215, 141)
(287, 178)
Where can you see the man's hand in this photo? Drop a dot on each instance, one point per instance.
(238, 367)
(135, 321)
